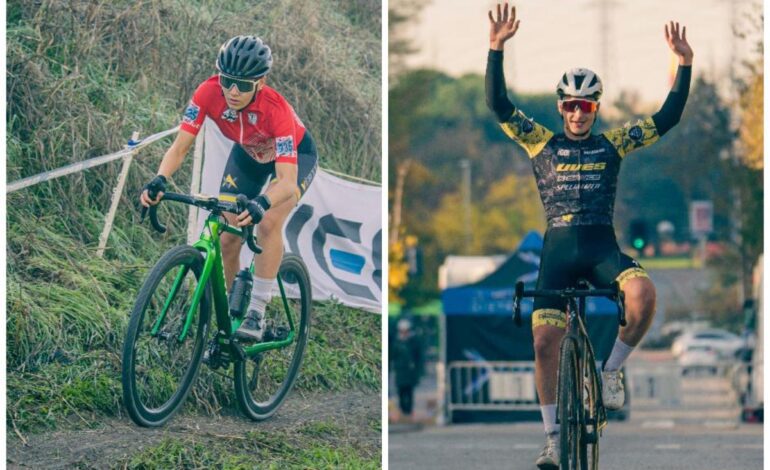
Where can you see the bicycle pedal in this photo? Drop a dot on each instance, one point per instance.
(279, 333)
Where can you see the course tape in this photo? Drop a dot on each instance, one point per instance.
(80, 166)
(131, 148)
(354, 178)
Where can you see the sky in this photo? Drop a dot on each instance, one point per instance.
(555, 35)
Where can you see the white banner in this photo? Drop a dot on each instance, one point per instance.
(336, 229)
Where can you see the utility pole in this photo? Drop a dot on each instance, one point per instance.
(606, 36)
(398, 196)
(465, 165)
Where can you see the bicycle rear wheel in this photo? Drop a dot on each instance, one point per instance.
(263, 382)
(570, 407)
(159, 368)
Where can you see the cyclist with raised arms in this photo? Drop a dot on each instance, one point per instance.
(576, 173)
(271, 145)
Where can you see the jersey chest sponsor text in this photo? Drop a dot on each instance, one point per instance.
(581, 166)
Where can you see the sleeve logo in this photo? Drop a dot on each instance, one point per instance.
(635, 133)
(527, 126)
(284, 146)
(191, 113)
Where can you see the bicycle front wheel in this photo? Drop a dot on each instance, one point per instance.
(570, 408)
(165, 338)
(592, 417)
(262, 382)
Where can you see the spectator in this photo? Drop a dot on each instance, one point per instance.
(407, 357)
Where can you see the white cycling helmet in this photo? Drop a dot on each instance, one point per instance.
(581, 83)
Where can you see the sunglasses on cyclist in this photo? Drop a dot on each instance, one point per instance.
(586, 106)
(244, 85)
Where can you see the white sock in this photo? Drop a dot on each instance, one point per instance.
(619, 354)
(261, 293)
(549, 418)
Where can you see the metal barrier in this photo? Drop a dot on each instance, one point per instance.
(658, 385)
(491, 386)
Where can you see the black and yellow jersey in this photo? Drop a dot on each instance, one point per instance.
(577, 179)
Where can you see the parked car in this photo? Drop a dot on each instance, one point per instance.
(723, 342)
(698, 358)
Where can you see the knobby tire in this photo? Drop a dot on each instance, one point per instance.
(152, 394)
(255, 378)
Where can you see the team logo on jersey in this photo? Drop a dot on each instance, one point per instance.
(284, 146)
(562, 152)
(527, 126)
(252, 118)
(229, 115)
(635, 133)
(229, 182)
(191, 113)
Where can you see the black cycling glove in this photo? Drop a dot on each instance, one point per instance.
(257, 208)
(157, 185)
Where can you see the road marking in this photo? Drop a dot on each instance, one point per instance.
(668, 446)
(660, 424)
(746, 446)
(525, 446)
(720, 424)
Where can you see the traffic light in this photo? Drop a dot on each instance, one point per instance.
(638, 235)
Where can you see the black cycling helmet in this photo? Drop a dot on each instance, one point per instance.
(244, 57)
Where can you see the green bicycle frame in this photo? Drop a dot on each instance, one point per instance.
(213, 271)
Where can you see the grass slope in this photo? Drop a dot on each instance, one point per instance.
(81, 76)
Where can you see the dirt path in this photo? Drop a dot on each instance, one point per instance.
(355, 413)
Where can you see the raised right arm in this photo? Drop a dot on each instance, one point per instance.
(524, 131)
(502, 27)
(494, 84)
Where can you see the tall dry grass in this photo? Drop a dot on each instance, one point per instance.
(81, 77)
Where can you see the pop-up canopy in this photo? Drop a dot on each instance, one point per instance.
(479, 320)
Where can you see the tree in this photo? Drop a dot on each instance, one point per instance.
(400, 14)
(689, 163)
(751, 131)
(510, 209)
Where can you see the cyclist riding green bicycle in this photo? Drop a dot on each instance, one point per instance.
(576, 173)
(272, 146)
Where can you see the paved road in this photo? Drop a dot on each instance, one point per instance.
(676, 423)
(624, 445)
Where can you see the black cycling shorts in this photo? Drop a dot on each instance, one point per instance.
(589, 252)
(244, 175)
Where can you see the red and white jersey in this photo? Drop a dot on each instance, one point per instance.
(268, 128)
